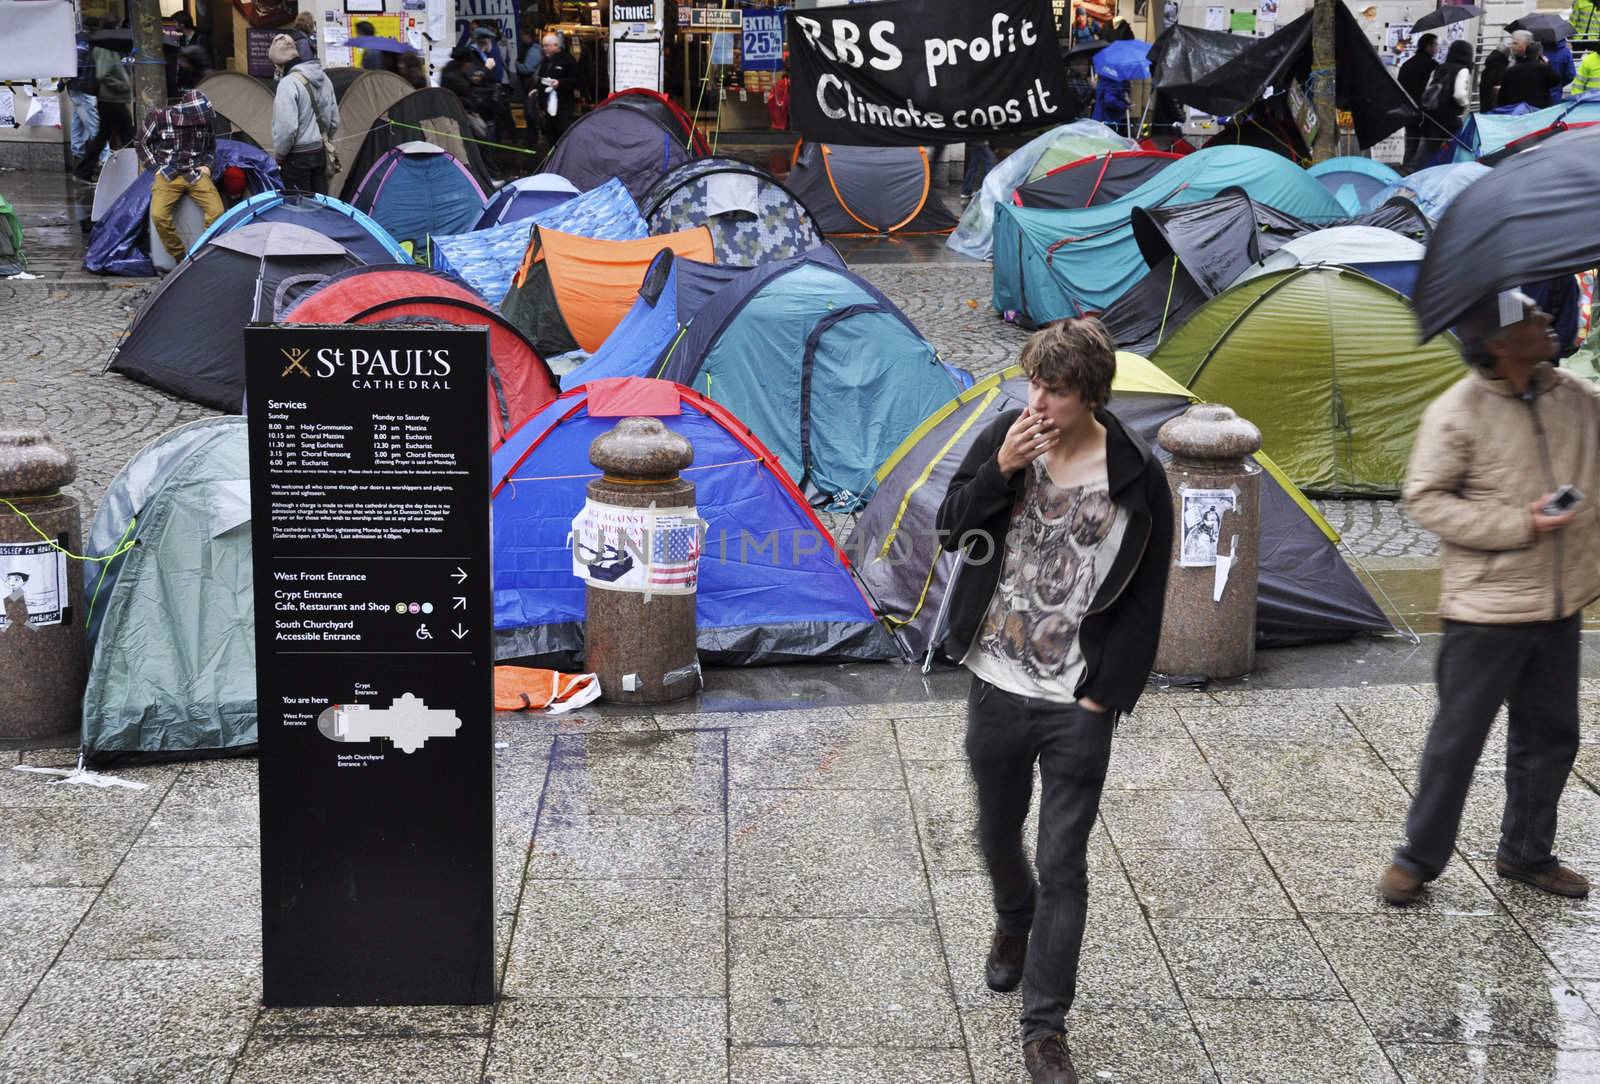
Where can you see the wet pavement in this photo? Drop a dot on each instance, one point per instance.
(793, 895)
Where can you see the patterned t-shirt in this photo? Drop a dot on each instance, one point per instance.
(1059, 549)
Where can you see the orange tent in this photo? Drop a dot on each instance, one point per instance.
(571, 292)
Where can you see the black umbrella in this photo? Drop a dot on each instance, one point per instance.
(1544, 26)
(1444, 16)
(1087, 48)
(1534, 213)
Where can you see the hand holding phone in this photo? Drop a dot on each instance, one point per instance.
(1553, 511)
(1562, 499)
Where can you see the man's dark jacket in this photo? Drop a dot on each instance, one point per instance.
(564, 70)
(1119, 634)
(1414, 75)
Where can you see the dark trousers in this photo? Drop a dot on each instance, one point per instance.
(305, 171)
(980, 160)
(1005, 735)
(116, 129)
(554, 127)
(1534, 668)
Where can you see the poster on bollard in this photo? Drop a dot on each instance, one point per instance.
(35, 572)
(646, 550)
(369, 490)
(909, 72)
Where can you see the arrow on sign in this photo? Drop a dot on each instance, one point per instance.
(459, 632)
(460, 602)
(459, 575)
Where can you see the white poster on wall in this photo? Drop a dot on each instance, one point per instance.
(37, 40)
(636, 44)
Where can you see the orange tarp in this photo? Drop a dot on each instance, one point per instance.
(595, 282)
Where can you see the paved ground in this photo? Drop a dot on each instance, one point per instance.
(793, 897)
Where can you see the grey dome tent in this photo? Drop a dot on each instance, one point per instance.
(362, 100)
(244, 102)
(173, 666)
(188, 338)
(433, 115)
(1194, 251)
(860, 191)
(1306, 592)
(752, 217)
(635, 136)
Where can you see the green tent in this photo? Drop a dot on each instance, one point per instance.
(12, 260)
(1325, 361)
(172, 620)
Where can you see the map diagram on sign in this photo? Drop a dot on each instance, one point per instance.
(407, 722)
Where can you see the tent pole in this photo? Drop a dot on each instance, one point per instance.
(944, 612)
(1410, 633)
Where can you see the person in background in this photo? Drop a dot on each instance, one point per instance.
(585, 67)
(1444, 102)
(1585, 19)
(1494, 69)
(304, 28)
(193, 66)
(1413, 78)
(778, 97)
(113, 100)
(467, 78)
(1111, 102)
(1588, 78)
(375, 59)
(980, 160)
(1516, 575)
(1530, 81)
(305, 113)
(1080, 80)
(410, 68)
(1559, 57)
(81, 89)
(177, 144)
(486, 40)
(555, 83)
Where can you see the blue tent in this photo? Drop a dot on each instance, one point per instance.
(417, 190)
(1485, 135)
(118, 244)
(524, 198)
(1353, 180)
(487, 260)
(1433, 188)
(675, 289)
(773, 585)
(1050, 264)
(825, 370)
(367, 240)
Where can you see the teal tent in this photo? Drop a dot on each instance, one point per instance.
(1050, 264)
(173, 668)
(1353, 180)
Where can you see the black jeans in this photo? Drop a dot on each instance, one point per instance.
(1005, 735)
(1534, 668)
(116, 129)
(305, 171)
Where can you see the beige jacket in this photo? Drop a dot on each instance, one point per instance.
(1482, 455)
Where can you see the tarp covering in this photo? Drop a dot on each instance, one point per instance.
(188, 337)
(859, 191)
(1433, 189)
(572, 292)
(793, 599)
(1305, 590)
(1053, 264)
(630, 137)
(1544, 198)
(1089, 181)
(520, 382)
(752, 217)
(119, 243)
(487, 259)
(1184, 54)
(1364, 86)
(330, 217)
(1354, 180)
(434, 115)
(525, 197)
(975, 235)
(418, 190)
(173, 671)
(1324, 361)
(822, 367)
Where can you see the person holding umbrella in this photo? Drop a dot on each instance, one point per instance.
(1585, 19)
(1414, 76)
(1491, 457)
(1116, 65)
(1444, 102)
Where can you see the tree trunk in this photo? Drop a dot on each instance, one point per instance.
(1321, 85)
(149, 59)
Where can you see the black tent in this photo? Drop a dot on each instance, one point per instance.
(1092, 181)
(432, 116)
(1363, 84)
(1400, 215)
(1183, 54)
(637, 138)
(1195, 251)
(188, 338)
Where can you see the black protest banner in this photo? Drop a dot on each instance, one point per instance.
(901, 72)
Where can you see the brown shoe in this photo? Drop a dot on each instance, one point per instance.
(1558, 880)
(1399, 886)
(1003, 970)
(1049, 1061)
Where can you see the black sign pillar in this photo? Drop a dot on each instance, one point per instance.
(369, 486)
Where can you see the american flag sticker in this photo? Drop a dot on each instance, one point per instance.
(675, 548)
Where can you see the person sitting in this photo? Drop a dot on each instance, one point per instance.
(178, 145)
(1529, 81)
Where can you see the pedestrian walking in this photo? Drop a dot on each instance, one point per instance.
(1111, 102)
(980, 160)
(1530, 81)
(113, 98)
(1490, 457)
(178, 144)
(1444, 102)
(305, 118)
(81, 89)
(1064, 520)
(1494, 69)
(555, 89)
(1413, 78)
(1559, 56)
(467, 78)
